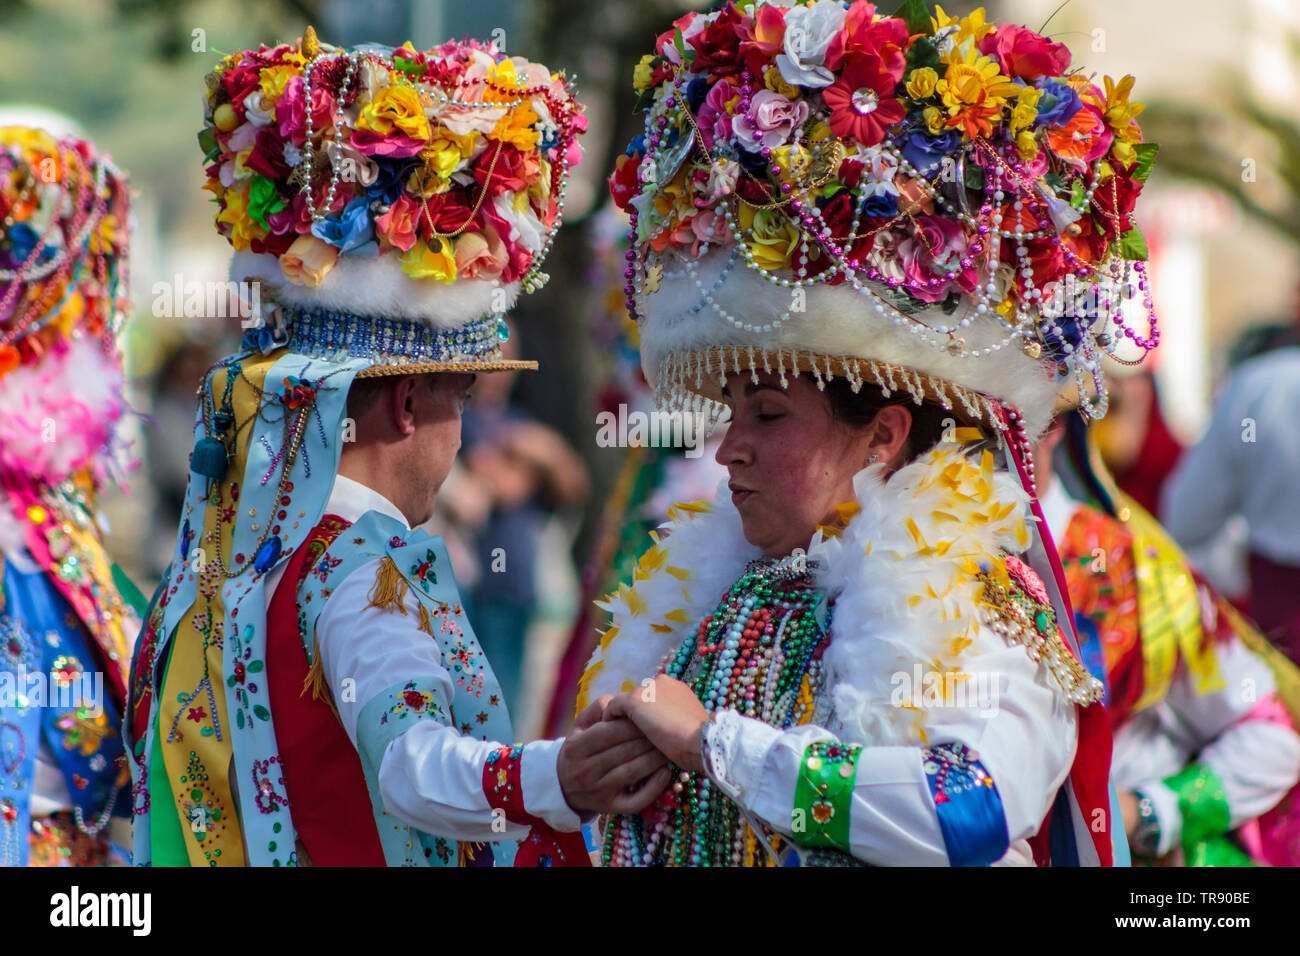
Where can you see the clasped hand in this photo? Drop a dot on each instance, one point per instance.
(616, 759)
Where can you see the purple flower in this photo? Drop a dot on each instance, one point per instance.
(1058, 104)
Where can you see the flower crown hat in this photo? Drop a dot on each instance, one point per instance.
(391, 203)
(935, 205)
(64, 211)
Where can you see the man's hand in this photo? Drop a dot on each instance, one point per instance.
(608, 766)
(669, 714)
(1128, 807)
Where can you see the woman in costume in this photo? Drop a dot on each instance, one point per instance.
(1203, 709)
(845, 230)
(64, 624)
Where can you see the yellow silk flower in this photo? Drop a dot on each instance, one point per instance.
(243, 228)
(423, 262)
(771, 238)
(395, 107)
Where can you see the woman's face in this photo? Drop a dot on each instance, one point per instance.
(790, 462)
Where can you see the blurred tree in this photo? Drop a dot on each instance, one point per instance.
(1241, 145)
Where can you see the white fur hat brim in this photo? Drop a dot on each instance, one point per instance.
(378, 288)
(837, 322)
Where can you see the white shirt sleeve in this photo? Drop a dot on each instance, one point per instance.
(430, 777)
(1024, 734)
(1257, 760)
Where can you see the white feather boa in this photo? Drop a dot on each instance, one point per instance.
(903, 575)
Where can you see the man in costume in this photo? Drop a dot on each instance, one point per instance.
(853, 223)
(1203, 709)
(307, 689)
(65, 627)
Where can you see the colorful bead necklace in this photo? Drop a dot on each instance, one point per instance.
(759, 653)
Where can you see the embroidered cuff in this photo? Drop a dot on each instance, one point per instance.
(504, 788)
(543, 797)
(1202, 804)
(971, 816)
(1165, 804)
(823, 795)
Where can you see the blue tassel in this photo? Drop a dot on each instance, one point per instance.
(209, 459)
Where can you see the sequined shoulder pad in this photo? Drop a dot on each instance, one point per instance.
(1016, 605)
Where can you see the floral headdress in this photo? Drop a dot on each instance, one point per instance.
(64, 212)
(935, 204)
(423, 187)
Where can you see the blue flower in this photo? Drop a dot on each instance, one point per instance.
(351, 229)
(885, 204)
(390, 180)
(22, 240)
(697, 91)
(926, 152)
(1058, 104)
(637, 146)
(752, 163)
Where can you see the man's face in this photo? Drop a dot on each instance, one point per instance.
(438, 406)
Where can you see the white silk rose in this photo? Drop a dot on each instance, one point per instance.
(808, 34)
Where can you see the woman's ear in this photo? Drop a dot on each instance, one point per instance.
(892, 425)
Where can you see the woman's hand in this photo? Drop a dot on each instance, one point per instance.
(669, 714)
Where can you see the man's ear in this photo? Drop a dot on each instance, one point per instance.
(403, 407)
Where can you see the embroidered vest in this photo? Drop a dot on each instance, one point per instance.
(415, 578)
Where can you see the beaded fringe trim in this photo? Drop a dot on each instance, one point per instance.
(469, 365)
(692, 381)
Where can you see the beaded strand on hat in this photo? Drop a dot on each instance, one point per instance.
(562, 111)
(1022, 329)
(89, 214)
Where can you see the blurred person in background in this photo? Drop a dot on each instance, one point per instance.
(1203, 710)
(66, 615)
(1135, 439)
(1248, 464)
(526, 470)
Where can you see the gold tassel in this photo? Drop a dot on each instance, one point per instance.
(426, 624)
(389, 591)
(315, 680)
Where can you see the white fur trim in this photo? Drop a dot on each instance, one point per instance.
(872, 569)
(378, 287)
(837, 321)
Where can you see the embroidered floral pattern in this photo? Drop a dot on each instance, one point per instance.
(422, 571)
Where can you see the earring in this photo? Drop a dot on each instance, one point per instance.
(872, 460)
